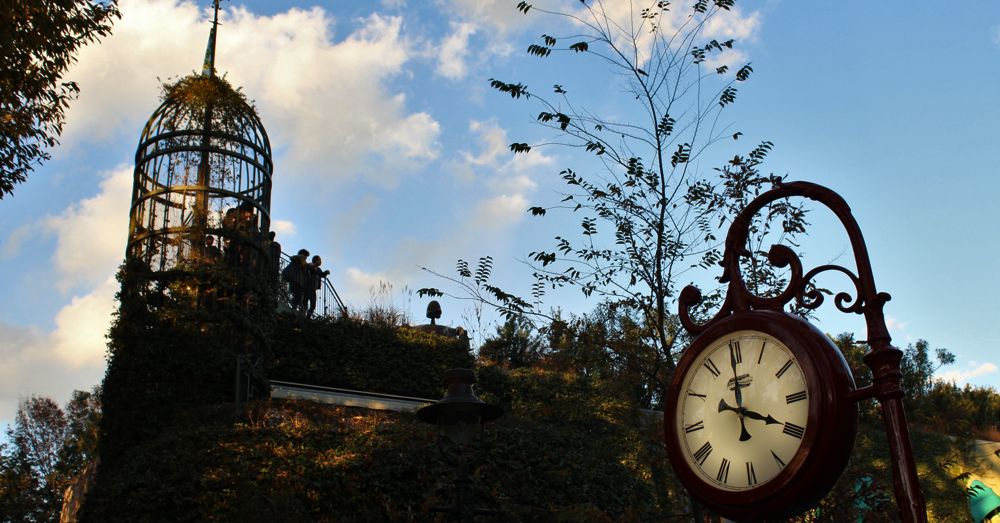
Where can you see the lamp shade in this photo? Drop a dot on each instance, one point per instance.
(983, 502)
(459, 404)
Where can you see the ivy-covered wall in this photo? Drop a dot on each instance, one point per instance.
(589, 458)
(363, 356)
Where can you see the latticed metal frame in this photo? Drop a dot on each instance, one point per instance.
(202, 170)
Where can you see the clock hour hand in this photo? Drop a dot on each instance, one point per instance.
(744, 435)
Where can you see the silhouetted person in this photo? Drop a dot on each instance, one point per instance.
(212, 254)
(314, 282)
(296, 274)
(230, 226)
(274, 259)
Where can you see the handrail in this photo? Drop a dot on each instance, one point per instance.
(337, 308)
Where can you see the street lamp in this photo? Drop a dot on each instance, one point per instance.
(459, 416)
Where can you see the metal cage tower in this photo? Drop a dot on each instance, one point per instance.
(201, 192)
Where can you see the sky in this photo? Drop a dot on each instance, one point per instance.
(391, 154)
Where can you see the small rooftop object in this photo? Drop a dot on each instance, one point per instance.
(434, 311)
(202, 174)
(983, 502)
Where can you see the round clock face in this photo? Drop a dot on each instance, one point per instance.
(742, 411)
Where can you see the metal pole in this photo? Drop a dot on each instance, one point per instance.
(884, 363)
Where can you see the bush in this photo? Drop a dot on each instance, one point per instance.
(349, 354)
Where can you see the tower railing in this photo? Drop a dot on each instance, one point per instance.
(328, 302)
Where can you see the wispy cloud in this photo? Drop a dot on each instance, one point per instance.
(974, 370)
(90, 243)
(453, 51)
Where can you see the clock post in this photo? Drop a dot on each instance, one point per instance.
(812, 460)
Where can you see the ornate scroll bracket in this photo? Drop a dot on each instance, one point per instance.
(739, 298)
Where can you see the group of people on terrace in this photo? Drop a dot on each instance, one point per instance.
(304, 278)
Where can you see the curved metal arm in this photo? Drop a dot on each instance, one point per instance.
(868, 300)
(883, 359)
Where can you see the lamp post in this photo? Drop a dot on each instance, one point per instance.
(460, 416)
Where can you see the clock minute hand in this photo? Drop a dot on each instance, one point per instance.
(768, 420)
(736, 380)
(744, 435)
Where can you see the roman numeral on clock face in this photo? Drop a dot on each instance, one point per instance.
(798, 396)
(784, 368)
(735, 352)
(694, 426)
(776, 458)
(751, 474)
(761, 355)
(710, 365)
(723, 474)
(695, 394)
(794, 430)
(701, 454)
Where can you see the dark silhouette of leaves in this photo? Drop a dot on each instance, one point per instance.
(744, 73)
(514, 90)
(539, 50)
(429, 292)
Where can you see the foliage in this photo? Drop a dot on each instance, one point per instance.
(586, 455)
(918, 369)
(865, 490)
(174, 343)
(48, 447)
(476, 287)
(515, 345)
(194, 96)
(40, 42)
(354, 355)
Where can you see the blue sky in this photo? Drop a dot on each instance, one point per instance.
(391, 154)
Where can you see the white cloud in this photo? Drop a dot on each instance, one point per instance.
(500, 16)
(53, 364)
(498, 212)
(733, 24)
(995, 34)
(91, 233)
(624, 16)
(12, 243)
(963, 376)
(506, 178)
(493, 142)
(893, 323)
(291, 63)
(90, 243)
(453, 50)
(283, 228)
(79, 338)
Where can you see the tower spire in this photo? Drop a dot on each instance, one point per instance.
(208, 69)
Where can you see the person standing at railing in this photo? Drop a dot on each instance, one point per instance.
(296, 274)
(314, 283)
(274, 262)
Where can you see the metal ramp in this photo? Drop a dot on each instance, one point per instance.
(345, 397)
